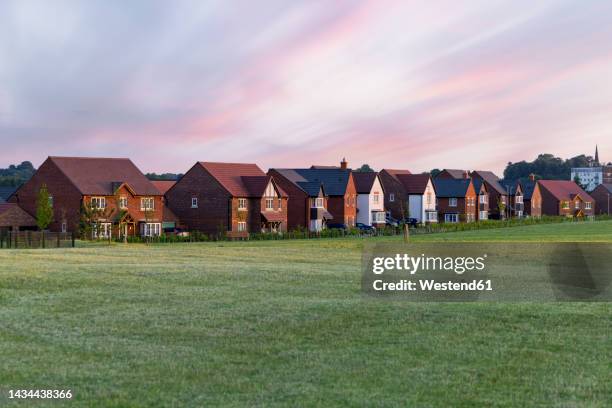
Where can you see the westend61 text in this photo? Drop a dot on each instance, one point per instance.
(432, 285)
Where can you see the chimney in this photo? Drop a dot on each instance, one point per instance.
(465, 174)
(532, 177)
(343, 164)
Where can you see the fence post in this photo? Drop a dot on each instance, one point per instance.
(43, 239)
(72, 238)
(58, 240)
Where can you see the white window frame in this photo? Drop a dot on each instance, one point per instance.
(318, 202)
(577, 205)
(144, 201)
(269, 204)
(123, 202)
(106, 230)
(428, 200)
(376, 198)
(242, 204)
(151, 229)
(391, 197)
(483, 215)
(51, 201)
(242, 226)
(378, 216)
(194, 202)
(483, 199)
(64, 226)
(452, 202)
(452, 218)
(98, 203)
(518, 199)
(588, 205)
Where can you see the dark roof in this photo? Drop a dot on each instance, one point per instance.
(605, 186)
(414, 183)
(528, 188)
(455, 173)
(240, 179)
(364, 181)
(312, 188)
(6, 192)
(96, 175)
(334, 180)
(396, 172)
(163, 185)
(490, 178)
(451, 187)
(564, 189)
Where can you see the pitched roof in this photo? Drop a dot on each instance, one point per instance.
(333, 180)
(163, 185)
(240, 179)
(364, 181)
(414, 183)
(96, 175)
(528, 188)
(606, 186)
(6, 192)
(451, 187)
(12, 214)
(455, 173)
(491, 179)
(396, 172)
(564, 189)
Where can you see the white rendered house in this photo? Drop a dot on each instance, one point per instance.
(421, 197)
(370, 199)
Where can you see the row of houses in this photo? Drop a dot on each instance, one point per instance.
(236, 199)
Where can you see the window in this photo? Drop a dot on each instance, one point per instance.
(242, 203)
(242, 226)
(452, 202)
(451, 217)
(64, 226)
(565, 205)
(102, 230)
(428, 198)
(269, 204)
(483, 199)
(147, 204)
(123, 202)
(431, 215)
(482, 215)
(318, 202)
(98, 203)
(588, 205)
(376, 198)
(503, 199)
(378, 216)
(469, 217)
(391, 197)
(151, 229)
(577, 205)
(51, 201)
(519, 199)
(194, 202)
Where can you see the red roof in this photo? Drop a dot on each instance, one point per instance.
(395, 172)
(414, 183)
(564, 189)
(240, 179)
(100, 176)
(12, 214)
(163, 185)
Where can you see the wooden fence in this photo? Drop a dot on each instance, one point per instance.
(36, 239)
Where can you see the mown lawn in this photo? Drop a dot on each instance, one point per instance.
(284, 323)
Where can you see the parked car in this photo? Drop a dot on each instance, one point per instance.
(413, 222)
(390, 221)
(337, 226)
(365, 228)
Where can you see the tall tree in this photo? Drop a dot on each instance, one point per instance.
(365, 168)
(44, 208)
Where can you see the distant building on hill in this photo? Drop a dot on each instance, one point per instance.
(594, 175)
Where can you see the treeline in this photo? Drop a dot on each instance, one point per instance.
(163, 176)
(545, 166)
(15, 175)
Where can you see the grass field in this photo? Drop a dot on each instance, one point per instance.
(284, 323)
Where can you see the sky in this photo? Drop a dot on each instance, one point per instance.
(396, 84)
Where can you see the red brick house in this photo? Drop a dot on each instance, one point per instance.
(516, 201)
(566, 198)
(14, 218)
(396, 196)
(307, 201)
(497, 193)
(228, 198)
(338, 186)
(603, 198)
(456, 199)
(125, 201)
(532, 197)
(481, 210)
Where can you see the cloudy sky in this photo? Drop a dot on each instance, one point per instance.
(400, 84)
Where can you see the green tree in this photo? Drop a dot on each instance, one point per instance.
(434, 172)
(44, 208)
(365, 168)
